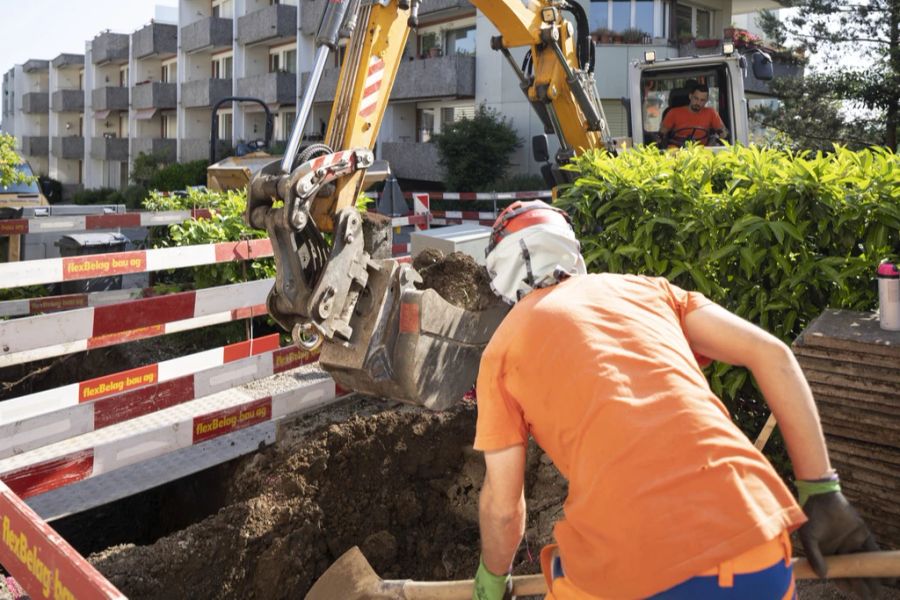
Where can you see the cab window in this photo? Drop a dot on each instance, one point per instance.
(661, 91)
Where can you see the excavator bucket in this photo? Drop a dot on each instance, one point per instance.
(408, 344)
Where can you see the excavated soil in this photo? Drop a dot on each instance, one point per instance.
(457, 278)
(399, 482)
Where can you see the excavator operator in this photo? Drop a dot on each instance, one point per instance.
(667, 498)
(694, 122)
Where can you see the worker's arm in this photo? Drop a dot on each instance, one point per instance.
(720, 335)
(501, 507)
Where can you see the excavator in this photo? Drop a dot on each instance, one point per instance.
(336, 286)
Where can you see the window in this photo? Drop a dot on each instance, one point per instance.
(430, 44)
(461, 41)
(222, 67)
(285, 125)
(691, 21)
(169, 126)
(619, 15)
(285, 2)
(290, 61)
(283, 60)
(425, 124)
(123, 76)
(274, 62)
(225, 126)
(223, 9)
(169, 72)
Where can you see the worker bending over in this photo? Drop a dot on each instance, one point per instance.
(667, 497)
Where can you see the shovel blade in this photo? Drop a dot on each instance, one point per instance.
(350, 577)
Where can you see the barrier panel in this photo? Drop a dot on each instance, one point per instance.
(87, 443)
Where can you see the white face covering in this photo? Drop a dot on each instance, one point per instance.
(535, 257)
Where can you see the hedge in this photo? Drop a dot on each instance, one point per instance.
(774, 236)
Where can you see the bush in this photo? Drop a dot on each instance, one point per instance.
(98, 196)
(476, 152)
(179, 176)
(774, 236)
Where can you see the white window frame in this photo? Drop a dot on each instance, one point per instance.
(171, 70)
(712, 18)
(281, 52)
(226, 14)
(658, 24)
(218, 61)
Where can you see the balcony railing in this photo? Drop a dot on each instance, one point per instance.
(269, 23)
(35, 145)
(68, 61)
(109, 98)
(156, 94)
(155, 39)
(412, 160)
(36, 103)
(162, 148)
(271, 88)
(71, 147)
(205, 92)
(207, 34)
(67, 101)
(109, 48)
(109, 148)
(35, 65)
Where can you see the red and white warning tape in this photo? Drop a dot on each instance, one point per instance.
(41, 560)
(88, 222)
(52, 270)
(48, 304)
(409, 220)
(482, 195)
(53, 334)
(154, 435)
(47, 417)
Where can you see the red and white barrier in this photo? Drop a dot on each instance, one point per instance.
(48, 304)
(482, 195)
(153, 435)
(52, 270)
(47, 417)
(90, 222)
(419, 220)
(43, 562)
(27, 339)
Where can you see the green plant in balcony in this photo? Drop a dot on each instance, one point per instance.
(633, 35)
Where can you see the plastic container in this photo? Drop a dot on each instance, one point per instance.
(889, 296)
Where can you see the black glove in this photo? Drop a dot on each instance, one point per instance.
(834, 527)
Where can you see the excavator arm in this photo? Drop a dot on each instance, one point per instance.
(380, 334)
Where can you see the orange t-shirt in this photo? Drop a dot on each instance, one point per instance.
(662, 484)
(682, 117)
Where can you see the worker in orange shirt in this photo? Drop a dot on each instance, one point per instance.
(667, 498)
(694, 122)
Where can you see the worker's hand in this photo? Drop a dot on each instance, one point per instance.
(491, 587)
(834, 527)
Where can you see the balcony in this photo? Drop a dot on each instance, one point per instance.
(155, 39)
(266, 24)
(35, 65)
(104, 148)
(411, 160)
(70, 148)
(109, 98)
(194, 149)
(35, 145)
(207, 34)
(271, 88)
(68, 61)
(67, 101)
(36, 103)
(109, 48)
(440, 77)
(163, 148)
(154, 95)
(446, 7)
(205, 92)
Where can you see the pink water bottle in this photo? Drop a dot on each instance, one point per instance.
(889, 296)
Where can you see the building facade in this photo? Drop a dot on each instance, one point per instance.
(84, 119)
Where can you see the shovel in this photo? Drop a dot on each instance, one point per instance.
(352, 578)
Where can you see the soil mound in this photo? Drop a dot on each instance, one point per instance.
(457, 278)
(401, 483)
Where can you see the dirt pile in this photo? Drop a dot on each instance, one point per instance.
(457, 278)
(400, 483)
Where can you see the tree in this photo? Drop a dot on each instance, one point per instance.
(476, 152)
(9, 161)
(870, 28)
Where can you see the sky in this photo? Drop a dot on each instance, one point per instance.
(44, 29)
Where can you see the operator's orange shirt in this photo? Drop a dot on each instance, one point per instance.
(682, 117)
(662, 484)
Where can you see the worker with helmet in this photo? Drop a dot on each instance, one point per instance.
(667, 498)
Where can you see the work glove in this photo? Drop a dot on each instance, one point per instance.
(491, 587)
(834, 527)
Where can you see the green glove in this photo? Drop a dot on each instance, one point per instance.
(491, 587)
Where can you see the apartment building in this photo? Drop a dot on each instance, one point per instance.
(67, 103)
(154, 90)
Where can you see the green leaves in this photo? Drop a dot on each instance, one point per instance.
(774, 236)
(9, 161)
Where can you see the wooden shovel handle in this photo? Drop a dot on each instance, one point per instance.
(864, 564)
